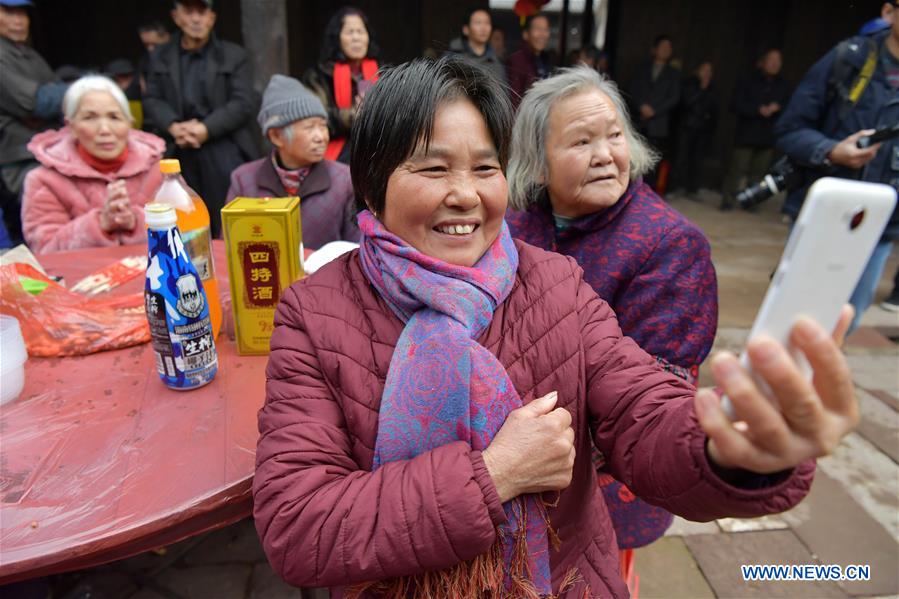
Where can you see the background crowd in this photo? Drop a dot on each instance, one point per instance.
(194, 90)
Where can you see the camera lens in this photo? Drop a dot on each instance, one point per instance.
(857, 217)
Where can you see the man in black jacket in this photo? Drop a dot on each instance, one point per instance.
(200, 98)
(30, 101)
(655, 92)
(475, 43)
(757, 101)
(699, 108)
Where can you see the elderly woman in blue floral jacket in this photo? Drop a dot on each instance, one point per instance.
(575, 188)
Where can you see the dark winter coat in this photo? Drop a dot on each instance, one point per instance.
(229, 91)
(698, 106)
(325, 519)
(663, 94)
(751, 93)
(22, 72)
(811, 126)
(489, 60)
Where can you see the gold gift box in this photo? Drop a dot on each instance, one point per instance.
(263, 240)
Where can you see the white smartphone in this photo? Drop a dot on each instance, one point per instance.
(832, 240)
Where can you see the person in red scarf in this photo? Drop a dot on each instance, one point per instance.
(95, 176)
(347, 69)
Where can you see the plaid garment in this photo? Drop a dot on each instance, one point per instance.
(290, 179)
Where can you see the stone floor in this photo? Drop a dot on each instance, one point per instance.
(850, 517)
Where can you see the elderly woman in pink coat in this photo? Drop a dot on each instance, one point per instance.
(96, 174)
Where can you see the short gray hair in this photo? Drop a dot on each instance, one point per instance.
(93, 83)
(527, 171)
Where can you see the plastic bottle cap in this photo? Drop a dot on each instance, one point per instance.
(169, 166)
(160, 216)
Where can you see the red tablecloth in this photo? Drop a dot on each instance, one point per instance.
(100, 461)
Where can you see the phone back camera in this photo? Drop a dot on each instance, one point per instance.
(857, 217)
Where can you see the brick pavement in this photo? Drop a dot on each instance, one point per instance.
(850, 517)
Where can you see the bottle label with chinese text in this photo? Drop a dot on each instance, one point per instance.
(198, 244)
(178, 314)
(259, 260)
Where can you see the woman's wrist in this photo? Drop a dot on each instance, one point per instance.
(504, 488)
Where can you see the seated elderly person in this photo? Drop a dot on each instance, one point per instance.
(296, 124)
(95, 176)
(575, 184)
(432, 397)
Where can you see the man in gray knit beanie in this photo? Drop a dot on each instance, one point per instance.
(295, 122)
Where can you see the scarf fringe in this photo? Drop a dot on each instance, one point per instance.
(543, 504)
(482, 577)
(476, 578)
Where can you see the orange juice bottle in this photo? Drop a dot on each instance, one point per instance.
(193, 222)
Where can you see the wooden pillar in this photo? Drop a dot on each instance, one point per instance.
(587, 25)
(264, 29)
(563, 34)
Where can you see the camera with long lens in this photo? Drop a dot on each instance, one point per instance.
(783, 175)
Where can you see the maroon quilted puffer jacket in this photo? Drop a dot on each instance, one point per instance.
(326, 520)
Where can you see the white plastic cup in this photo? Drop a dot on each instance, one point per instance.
(13, 356)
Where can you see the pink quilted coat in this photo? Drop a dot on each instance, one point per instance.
(326, 520)
(63, 197)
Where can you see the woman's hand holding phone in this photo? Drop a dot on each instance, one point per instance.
(811, 416)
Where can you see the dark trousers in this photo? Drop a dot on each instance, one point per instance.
(747, 167)
(894, 294)
(12, 184)
(691, 146)
(208, 171)
(10, 219)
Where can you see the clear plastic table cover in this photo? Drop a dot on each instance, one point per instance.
(99, 460)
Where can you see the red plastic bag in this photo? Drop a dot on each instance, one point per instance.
(58, 322)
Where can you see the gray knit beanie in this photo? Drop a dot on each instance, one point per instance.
(286, 100)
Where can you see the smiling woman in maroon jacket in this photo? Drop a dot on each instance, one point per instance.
(432, 397)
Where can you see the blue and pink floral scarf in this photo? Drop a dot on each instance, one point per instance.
(444, 386)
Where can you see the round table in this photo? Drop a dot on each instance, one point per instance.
(100, 461)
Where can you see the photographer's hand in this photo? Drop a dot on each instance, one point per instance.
(847, 154)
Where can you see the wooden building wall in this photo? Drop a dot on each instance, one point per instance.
(91, 33)
(403, 29)
(731, 34)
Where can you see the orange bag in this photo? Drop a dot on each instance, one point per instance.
(59, 322)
